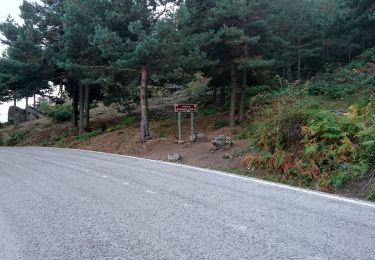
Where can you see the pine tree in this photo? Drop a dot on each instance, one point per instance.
(129, 41)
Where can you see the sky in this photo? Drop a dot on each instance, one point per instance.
(8, 7)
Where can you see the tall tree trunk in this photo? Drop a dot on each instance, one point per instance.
(349, 55)
(34, 101)
(222, 94)
(81, 109)
(86, 106)
(242, 98)
(289, 71)
(145, 133)
(26, 107)
(243, 87)
(232, 115)
(75, 106)
(214, 95)
(14, 102)
(299, 60)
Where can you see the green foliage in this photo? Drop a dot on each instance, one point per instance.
(332, 90)
(2, 141)
(158, 116)
(212, 110)
(371, 195)
(244, 134)
(88, 135)
(220, 123)
(60, 113)
(17, 136)
(300, 139)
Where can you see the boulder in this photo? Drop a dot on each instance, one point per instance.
(19, 115)
(174, 157)
(201, 138)
(227, 156)
(222, 142)
(33, 114)
(16, 115)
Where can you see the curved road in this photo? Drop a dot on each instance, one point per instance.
(67, 204)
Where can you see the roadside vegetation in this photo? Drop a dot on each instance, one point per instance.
(319, 134)
(292, 82)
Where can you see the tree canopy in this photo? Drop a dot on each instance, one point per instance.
(107, 48)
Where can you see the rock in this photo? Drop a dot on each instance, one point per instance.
(227, 156)
(19, 115)
(222, 142)
(201, 138)
(33, 114)
(174, 157)
(193, 138)
(16, 115)
(340, 112)
(344, 165)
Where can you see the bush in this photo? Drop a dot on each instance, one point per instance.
(16, 137)
(60, 113)
(334, 91)
(371, 195)
(125, 122)
(2, 142)
(220, 123)
(88, 135)
(300, 140)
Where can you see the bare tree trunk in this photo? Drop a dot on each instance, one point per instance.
(75, 106)
(222, 94)
(232, 115)
(214, 95)
(289, 71)
(243, 88)
(14, 101)
(26, 107)
(34, 100)
(86, 106)
(242, 98)
(81, 109)
(145, 133)
(299, 60)
(350, 55)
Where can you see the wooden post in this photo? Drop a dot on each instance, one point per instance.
(180, 141)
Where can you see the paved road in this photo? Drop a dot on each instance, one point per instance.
(64, 204)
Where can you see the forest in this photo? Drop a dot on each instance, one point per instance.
(262, 59)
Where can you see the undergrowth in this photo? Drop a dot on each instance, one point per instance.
(16, 137)
(300, 141)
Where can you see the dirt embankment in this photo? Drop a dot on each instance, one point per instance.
(125, 141)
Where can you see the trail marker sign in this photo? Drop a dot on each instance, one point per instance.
(186, 108)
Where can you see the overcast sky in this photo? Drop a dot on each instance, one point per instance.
(8, 7)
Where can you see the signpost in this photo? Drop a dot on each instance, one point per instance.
(186, 108)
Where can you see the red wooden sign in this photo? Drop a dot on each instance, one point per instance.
(186, 108)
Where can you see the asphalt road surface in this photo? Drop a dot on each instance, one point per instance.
(67, 204)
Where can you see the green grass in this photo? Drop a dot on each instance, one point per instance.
(371, 195)
(16, 137)
(88, 135)
(125, 122)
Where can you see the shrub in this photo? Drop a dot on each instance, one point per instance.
(371, 195)
(299, 139)
(60, 113)
(16, 137)
(220, 123)
(88, 135)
